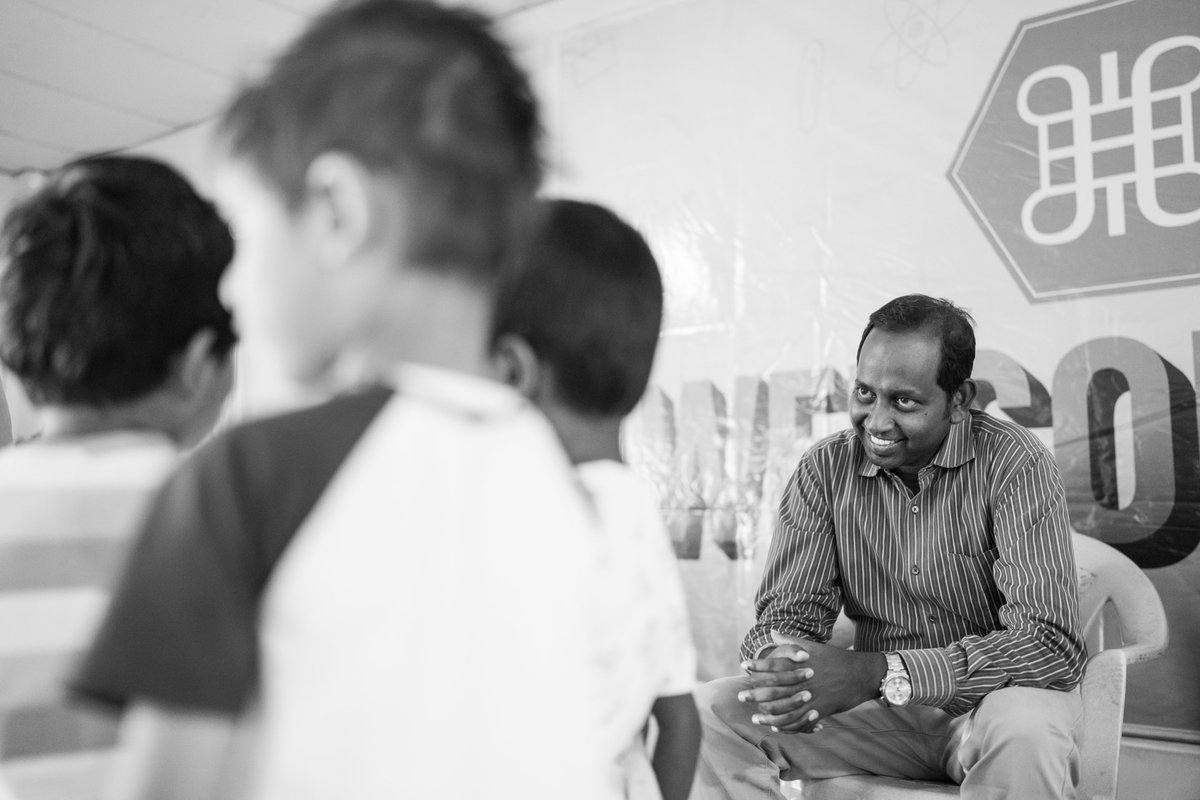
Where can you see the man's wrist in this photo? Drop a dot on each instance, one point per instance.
(896, 688)
(876, 669)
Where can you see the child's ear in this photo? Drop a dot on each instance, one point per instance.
(516, 364)
(340, 201)
(199, 385)
(196, 368)
(960, 401)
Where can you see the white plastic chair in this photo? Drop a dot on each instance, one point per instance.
(1123, 622)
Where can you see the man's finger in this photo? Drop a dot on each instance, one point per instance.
(785, 705)
(792, 722)
(766, 694)
(778, 661)
(789, 677)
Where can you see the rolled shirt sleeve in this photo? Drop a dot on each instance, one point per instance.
(799, 594)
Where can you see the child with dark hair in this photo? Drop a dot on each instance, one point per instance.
(110, 320)
(380, 596)
(110, 288)
(576, 331)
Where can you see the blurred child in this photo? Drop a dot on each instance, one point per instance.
(382, 592)
(110, 320)
(576, 331)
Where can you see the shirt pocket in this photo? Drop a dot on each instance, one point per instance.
(971, 590)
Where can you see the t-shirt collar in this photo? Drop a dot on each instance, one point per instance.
(454, 391)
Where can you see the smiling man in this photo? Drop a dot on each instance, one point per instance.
(942, 533)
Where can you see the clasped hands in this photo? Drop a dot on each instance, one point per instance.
(801, 682)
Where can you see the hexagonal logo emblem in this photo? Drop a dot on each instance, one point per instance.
(1080, 165)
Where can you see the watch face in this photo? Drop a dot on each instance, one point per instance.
(897, 691)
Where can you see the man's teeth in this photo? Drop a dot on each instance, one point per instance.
(875, 440)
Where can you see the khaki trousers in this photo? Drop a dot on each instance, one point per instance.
(1018, 743)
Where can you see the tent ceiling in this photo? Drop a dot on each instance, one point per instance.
(80, 76)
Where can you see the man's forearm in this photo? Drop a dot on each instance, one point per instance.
(957, 677)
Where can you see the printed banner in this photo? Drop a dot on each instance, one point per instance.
(796, 165)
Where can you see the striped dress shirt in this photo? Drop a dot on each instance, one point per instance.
(972, 579)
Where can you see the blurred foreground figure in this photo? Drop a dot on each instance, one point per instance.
(382, 596)
(110, 320)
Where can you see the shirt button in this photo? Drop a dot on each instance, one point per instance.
(916, 570)
(932, 618)
(915, 509)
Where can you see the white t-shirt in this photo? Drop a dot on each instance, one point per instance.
(391, 585)
(456, 522)
(645, 625)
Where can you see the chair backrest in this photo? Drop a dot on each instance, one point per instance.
(1113, 589)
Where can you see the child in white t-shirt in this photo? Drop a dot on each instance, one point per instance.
(576, 331)
(370, 597)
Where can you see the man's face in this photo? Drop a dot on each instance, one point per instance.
(275, 284)
(900, 413)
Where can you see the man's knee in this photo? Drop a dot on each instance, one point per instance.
(1024, 738)
(1028, 720)
(718, 700)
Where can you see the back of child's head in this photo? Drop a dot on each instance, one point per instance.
(110, 269)
(588, 300)
(424, 94)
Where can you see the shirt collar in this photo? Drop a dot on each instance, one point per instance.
(959, 447)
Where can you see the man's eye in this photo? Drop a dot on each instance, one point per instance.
(862, 394)
(906, 403)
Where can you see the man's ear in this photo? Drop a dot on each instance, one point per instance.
(340, 202)
(517, 365)
(960, 401)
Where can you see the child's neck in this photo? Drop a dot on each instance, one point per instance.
(587, 438)
(435, 321)
(73, 422)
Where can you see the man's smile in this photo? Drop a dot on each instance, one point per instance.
(882, 444)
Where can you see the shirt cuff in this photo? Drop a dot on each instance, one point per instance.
(762, 648)
(754, 644)
(932, 676)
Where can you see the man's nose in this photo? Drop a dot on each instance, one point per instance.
(879, 418)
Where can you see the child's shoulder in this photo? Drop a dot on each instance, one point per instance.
(346, 415)
(314, 439)
(616, 484)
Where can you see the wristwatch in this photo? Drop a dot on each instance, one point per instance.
(896, 686)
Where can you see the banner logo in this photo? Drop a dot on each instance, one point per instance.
(1080, 165)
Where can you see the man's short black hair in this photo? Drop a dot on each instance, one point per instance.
(953, 326)
(588, 300)
(424, 94)
(109, 269)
